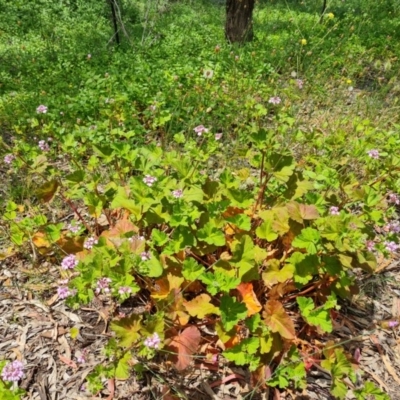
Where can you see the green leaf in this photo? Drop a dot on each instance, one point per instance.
(127, 329)
(122, 370)
(308, 239)
(155, 269)
(231, 312)
(191, 270)
(242, 221)
(265, 230)
(239, 198)
(243, 255)
(121, 200)
(220, 281)
(368, 389)
(244, 352)
(159, 238)
(274, 274)
(211, 235)
(281, 166)
(317, 317)
(305, 265)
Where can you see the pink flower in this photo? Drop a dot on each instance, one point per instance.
(13, 371)
(218, 136)
(149, 180)
(177, 193)
(69, 262)
(334, 210)
(393, 324)
(275, 100)
(63, 292)
(9, 158)
(90, 242)
(373, 153)
(200, 130)
(391, 246)
(145, 256)
(370, 244)
(153, 341)
(393, 198)
(43, 145)
(124, 290)
(81, 357)
(299, 83)
(103, 285)
(392, 227)
(41, 109)
(73, 228)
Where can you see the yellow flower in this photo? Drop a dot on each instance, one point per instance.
(303, 42)
(330, 15)
(348, 81)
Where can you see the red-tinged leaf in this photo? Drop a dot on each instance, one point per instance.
(278, 320)
(47, 191)
(111, 389)
(249, 298)
(122, 227)
(71, 245)
(183, 346)
(127, 329)
(299, 212)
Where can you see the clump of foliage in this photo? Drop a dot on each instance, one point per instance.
(196, 189)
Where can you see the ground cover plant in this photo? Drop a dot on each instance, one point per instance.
(232, 196)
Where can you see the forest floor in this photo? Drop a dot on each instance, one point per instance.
(37, 328)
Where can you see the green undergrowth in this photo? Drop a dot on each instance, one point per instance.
(237, 191)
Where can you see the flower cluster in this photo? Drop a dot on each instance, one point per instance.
(153, 342)
(13, 371)
(8, 158)
(69, 262)
(391, 246)
(149, 180)
(200, 130)
(41, 109)
(373, 153)
(63, 292)
(124, 290)
(145, 256)
(43, 145)
(177, 193)
(299, 83)
(393, 198)
(275, 100)
(73, 228)
(393, 227)
(90, 242)
(103, 285)
(370, 245)
(334, 210)
(81, 357)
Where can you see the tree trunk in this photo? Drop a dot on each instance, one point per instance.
(239, 20)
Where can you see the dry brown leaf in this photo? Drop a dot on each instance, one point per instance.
(249, 298)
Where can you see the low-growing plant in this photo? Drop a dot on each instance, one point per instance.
(257, 249)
